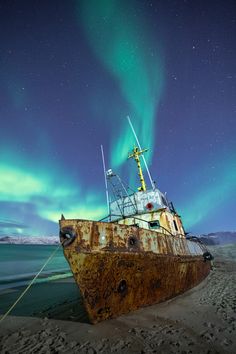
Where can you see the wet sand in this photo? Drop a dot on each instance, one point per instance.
(203, 320)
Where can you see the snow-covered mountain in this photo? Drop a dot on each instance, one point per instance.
(219, 238)
(29, 240)
(209, 239)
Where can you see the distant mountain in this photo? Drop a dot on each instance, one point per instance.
(214, 238)
(29, 240)
(219, 238)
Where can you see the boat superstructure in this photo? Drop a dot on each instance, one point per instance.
(137, 256)
(148, 209)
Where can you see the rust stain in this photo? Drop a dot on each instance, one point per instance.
(120, 268)
(116, 289)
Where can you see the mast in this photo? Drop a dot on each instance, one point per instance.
(135, 155)
(105, 177)
(144, 160)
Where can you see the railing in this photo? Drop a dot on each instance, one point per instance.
(198, 241)
(136, 218)
(109, 217)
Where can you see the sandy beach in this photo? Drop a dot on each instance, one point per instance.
(203, 320)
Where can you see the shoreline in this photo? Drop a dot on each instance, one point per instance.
(202, 320)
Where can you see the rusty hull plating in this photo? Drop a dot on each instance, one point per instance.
(120, 268)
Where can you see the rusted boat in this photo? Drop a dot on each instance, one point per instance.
(138, 256)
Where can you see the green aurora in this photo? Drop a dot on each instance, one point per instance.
(22, 185)
(26, 186)
(122, 42)
(209, 196)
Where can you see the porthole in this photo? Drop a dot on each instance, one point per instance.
(122, 287)
(133, 241)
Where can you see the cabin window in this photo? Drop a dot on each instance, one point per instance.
(175, 225)
(154, 225)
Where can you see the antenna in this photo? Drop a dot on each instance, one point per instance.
(105, 177)
(144, 160)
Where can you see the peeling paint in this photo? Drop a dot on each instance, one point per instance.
(120, 268)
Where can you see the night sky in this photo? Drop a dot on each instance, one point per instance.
(71, 71)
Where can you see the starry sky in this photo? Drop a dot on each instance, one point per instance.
(71, 71)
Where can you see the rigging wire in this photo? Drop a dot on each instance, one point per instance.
(32, 281)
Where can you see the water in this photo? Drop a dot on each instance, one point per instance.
(19, 264)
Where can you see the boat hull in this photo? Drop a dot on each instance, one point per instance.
(114, 283)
